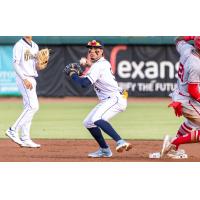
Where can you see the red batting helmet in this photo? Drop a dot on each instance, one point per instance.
(197, 42)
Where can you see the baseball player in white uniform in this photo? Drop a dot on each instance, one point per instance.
(112, 100)
(24, 63)
(186, 97)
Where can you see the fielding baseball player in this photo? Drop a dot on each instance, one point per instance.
(186, 97)
(112, 100)
(24, 64)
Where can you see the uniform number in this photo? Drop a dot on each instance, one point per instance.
(181, 71)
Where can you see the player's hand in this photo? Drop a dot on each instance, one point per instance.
(85, 62)
(28, 84)
(177, 106)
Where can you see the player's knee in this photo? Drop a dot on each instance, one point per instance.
(88, 124)
(85, 123)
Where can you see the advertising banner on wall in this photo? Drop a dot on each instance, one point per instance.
(7, 75)
(144, 70)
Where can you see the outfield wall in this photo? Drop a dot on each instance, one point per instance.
(145, 66)
(82, 40)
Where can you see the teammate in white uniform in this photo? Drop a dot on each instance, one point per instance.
(24, 63)
(111, 97)
(186, 97)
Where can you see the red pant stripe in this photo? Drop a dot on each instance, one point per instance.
(185, 130)
(178, 134)
(187, 126)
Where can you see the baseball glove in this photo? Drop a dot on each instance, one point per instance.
(73, 67)
(42, 58)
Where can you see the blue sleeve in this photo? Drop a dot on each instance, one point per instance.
(82, 81)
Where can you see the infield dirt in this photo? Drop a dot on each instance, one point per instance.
(77, 150)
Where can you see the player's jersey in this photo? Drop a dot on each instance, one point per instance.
(189, 72)
(189, 69)
(101, 76)
(23, 55)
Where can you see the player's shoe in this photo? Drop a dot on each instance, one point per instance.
(102, 152)
(30, 144)
(123, 145)
(178, 154)
(169, 149)
(13, 135)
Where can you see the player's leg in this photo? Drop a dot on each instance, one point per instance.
(191, 135)
(13, 131)
(184, 129)
(99, 121)
(106, 111)
(187, 133)
(104, 150)
(25, 131)
(95, 131)
(31, 106)
(25, 137)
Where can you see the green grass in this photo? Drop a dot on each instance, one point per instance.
(64, 120)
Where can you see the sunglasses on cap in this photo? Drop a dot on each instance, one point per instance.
(95, 44)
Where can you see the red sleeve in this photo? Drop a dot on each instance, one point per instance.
(193, 90)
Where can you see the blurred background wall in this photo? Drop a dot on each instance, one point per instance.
(145, 66)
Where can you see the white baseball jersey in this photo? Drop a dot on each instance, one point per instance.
(100, 75)
(23, 56)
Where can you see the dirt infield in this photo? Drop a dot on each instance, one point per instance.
(77, 150)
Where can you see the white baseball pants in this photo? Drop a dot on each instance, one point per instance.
(105, 110)
(31, 106)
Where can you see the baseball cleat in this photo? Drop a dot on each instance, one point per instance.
(13, 136)
(169, 150)
(102, 152)
(179, 154)
(123, 145)
(30, 144)
(182, 151)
